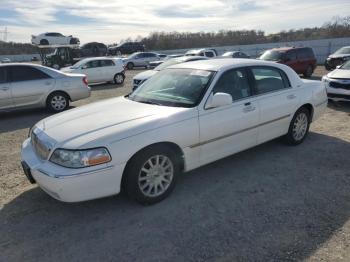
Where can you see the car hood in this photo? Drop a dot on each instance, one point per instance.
(108, 120)
(67, 69)
(339, 73)
(145, 75)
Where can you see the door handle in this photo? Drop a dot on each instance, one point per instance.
(291, 96)
(248, 107)
(4, 88)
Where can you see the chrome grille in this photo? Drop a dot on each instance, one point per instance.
(41, 150)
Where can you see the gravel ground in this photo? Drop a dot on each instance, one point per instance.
(269, 203)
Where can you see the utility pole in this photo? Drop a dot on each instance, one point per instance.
(5, 33)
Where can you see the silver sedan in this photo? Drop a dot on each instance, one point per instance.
(30, 85)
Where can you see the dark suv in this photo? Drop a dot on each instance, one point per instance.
(126, 48)
(301, 59)
(93, 49)
(339, 57)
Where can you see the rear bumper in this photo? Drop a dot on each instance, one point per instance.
(72, 185)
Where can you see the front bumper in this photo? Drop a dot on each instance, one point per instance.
(338, 94)
(72, 185)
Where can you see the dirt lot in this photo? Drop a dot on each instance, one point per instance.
(270, 203)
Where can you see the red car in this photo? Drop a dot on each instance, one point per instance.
(301, 59)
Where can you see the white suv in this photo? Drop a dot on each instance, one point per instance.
(201, 52)
(54, 39)
(99, 69)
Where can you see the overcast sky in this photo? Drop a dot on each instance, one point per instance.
(112, 20)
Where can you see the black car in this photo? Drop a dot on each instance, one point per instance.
(93, 49)
(126, 48)
(339, 57)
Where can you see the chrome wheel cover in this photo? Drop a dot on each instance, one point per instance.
(119, 79)
(58, 102)
(156, 175)
(300, 126)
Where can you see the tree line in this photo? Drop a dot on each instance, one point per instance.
(337, 27)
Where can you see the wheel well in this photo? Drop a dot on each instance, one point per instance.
(54, 92)
(174, 147)
(310, 108)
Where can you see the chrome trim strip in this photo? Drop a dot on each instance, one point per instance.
(238, 132)
(75, 175)
(324, 102)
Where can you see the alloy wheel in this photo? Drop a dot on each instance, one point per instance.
(300, 126)
(58, 102)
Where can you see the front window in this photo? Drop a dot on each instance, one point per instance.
(174, 87)
(343, 51)
(271, 55)
(346, 65)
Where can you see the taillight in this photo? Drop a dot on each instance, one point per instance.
(85, 80)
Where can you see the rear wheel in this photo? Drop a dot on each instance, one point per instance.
(57, 102)
(130, 66)
(151, 174)
(309, 71)
(119, 79)
(299, 127)
(44, 42)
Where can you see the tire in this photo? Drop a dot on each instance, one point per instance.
(57, 102)
(299, 127)
(44, 42)
(130, 66)
(144, 187)
(309, 71)
(328, 67)
(119, 79)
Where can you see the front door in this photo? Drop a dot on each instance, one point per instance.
(233, 128)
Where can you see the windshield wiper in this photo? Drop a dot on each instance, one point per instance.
(149, 102)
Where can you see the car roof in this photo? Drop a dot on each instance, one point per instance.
(221, 64)
(98, 58)
(287, 48)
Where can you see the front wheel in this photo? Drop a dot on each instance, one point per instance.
(57, 102)
(309, 71)
(119, 79)
(299, 127)
(151, 175)
(130, 66)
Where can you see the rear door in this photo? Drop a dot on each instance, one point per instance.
(29, 85)
(5, 89)
(291, 60)
(277, 101)
(108, 69)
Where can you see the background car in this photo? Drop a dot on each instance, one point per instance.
(337, 58)
(202, 52)
(54, 39)
(235, 54)
(30, 85)
(157, 63)
(99, 69)
(143, 76)
(301, 59)
(337, 83)
(5, 60)
(93, 49)
(140, 59)
(126, 48)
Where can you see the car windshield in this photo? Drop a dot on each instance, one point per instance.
(79, 64)
(228, 54)
(174, 87)
(134, 55)
(346, 65)
(167, 63)
(342, 51)
(271, 55)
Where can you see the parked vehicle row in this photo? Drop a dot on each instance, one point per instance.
(185, 116)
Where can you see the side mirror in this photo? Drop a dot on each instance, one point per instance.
(218, 100)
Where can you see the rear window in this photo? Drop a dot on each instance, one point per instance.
(107, 63)
(26, 73)
(305, 53)
(269, 79)
(271, 55)
(209, 54)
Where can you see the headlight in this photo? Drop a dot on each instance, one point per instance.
(80, 158)
(346, 58)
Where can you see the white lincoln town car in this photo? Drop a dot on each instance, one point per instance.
(184, 117)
